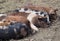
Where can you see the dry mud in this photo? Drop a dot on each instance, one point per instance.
(45, 34)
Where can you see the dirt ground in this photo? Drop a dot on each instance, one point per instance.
(45, 34)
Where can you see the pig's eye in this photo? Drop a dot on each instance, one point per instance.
(43, 19)
(25, 9)
(11, 23)
(4, 21)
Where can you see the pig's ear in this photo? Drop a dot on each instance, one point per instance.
(23, 32)
(52, 11)
(55, 9)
